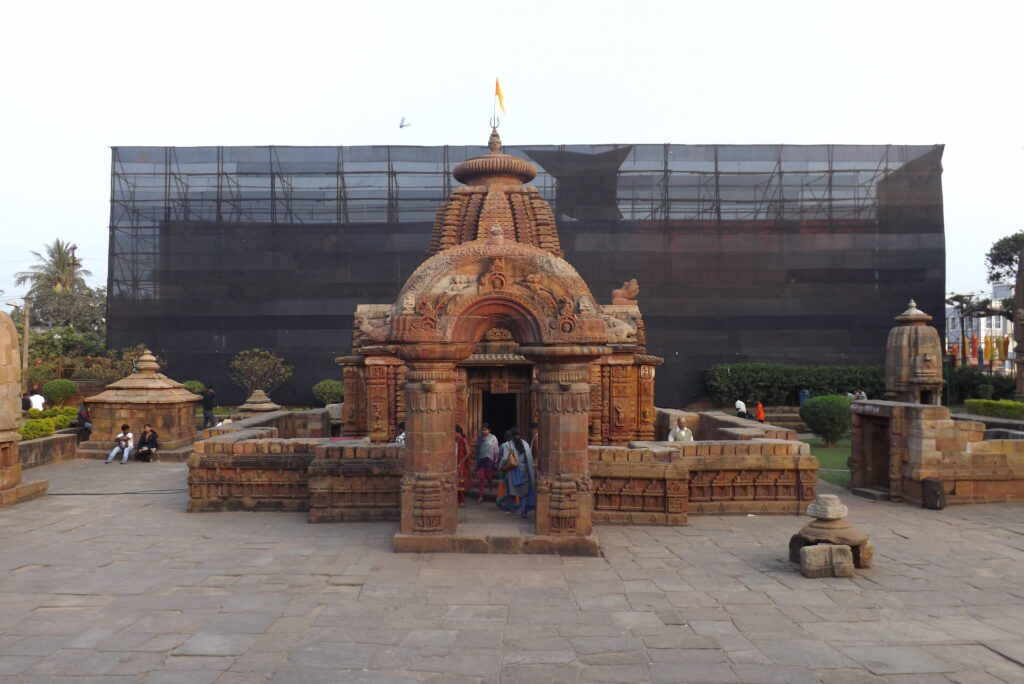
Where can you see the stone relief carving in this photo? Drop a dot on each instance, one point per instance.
(621, 331)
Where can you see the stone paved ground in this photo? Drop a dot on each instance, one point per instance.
(128, 587)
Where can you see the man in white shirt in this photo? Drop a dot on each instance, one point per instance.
(741, 408)
(680, 433)
(123, 443)
(37, 400)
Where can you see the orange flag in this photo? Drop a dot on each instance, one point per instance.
(497, 94)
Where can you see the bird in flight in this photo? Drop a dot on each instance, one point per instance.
(404, 124)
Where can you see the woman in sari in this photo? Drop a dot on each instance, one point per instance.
(462, 464)
(521, 479)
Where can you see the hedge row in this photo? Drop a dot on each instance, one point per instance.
(777, 384)
(34, 428)
(1003, 408)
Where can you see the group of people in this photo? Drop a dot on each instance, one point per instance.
(124, 444)
(857, 395)
(512, 463)
(757, 413)
(33, 400)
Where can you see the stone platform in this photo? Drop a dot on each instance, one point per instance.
(484, 528)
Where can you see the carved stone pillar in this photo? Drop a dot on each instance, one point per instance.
(565, 498)
(428, 489)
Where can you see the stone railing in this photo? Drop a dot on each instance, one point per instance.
(55, 448)
(661, 482)
(355, 482)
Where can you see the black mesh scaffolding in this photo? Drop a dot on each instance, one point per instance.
(795, 254)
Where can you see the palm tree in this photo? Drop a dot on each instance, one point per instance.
(59, 271)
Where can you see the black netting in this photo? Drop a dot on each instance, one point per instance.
(797, 254)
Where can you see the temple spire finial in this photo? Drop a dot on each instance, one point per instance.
(494, 142)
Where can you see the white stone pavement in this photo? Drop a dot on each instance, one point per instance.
(99, 584)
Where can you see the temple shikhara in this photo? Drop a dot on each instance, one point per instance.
(496, 290)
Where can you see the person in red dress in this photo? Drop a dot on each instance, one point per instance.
(462, 464)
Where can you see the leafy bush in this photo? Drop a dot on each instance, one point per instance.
(193, 386)
(1004, 408)
(778, 384)
(59, 391)
(36, 428)
(255, 369)
(966, 382)
(69, 412)
(827, 417)
(60, 421)
(329, 391)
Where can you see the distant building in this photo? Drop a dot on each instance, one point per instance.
(997, 328)
(793, 254)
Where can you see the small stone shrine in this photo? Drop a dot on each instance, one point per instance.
(12, 489)
(913, 360)
(145, 396)
(258, 402)
(899, 444)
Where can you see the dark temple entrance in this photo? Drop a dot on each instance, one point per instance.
(501, 412)
(876, 451)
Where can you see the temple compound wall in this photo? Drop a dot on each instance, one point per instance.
(282, 461)
(897, 445)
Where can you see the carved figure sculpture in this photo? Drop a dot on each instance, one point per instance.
(627, 293)
(622, 331)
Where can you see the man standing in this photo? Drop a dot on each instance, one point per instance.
(123, 443)
(680, 433)
(36, 399)
(486, 456)
(208, 396)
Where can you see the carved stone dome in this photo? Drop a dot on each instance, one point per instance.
(495, 194)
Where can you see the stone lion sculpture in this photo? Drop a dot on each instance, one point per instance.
(627, 293)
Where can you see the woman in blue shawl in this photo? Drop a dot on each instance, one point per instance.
(521, 479)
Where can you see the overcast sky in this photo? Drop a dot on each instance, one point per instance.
(79, 77)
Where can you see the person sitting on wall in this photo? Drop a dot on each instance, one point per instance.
(680, 433)
(37, 400)
(147, 444)
(123, 443)
(400, 439)
(208, 396)
(83, 421)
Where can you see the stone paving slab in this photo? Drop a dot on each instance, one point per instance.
(107, 579)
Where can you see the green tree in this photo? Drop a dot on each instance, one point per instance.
(59, 270)
(255, 369)
(1003, 257)
(827, 417)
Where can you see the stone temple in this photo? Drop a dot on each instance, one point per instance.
(495, 326)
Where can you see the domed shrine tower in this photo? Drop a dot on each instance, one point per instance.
(495, 326)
